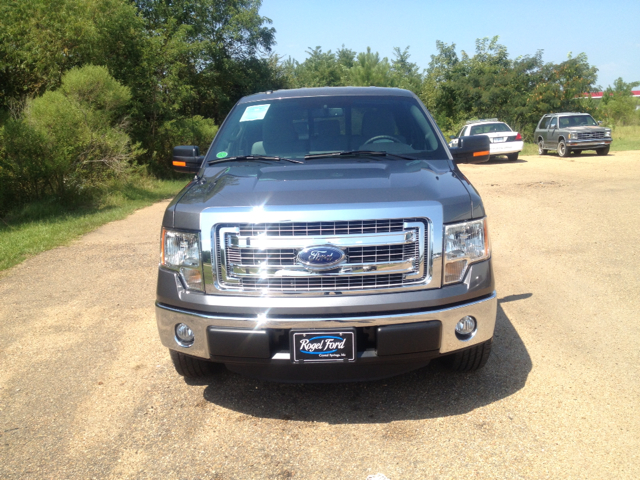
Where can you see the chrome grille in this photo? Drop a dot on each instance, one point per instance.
(590, 135)
(379, 254)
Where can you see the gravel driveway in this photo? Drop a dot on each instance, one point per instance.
(87, 391)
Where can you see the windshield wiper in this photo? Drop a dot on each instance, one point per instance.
(359, 153)
(253, 157)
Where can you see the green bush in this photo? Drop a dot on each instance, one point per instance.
(68, 142)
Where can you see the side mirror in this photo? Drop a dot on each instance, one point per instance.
(472, 149)
(599, 122)
(187, 159)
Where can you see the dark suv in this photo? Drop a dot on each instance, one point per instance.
(571, 132)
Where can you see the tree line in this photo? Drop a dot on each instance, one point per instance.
(92, 91)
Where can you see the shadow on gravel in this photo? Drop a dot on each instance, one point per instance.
(500, 161)
(426, 393)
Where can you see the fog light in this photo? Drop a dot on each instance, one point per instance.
(184, 335)
(466, 328)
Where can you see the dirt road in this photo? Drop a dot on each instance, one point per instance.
(87, 391)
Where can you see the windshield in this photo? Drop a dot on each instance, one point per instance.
(490, 128)
(298, 127)
(578, 121)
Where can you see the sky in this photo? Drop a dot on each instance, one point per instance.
(607, 31)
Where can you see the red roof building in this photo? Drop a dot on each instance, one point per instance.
(598, 95)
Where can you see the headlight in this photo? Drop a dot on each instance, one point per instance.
(607, 133)
(573, 135)
(180, 251)
(464, 244)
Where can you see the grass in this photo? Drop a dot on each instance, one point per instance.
(625, 138)
(45, 225)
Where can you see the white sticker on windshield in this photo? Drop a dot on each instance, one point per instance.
(255, 112)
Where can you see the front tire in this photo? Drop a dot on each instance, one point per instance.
(603, 151)
(193, 367)
(541, 149)
(469, 360)
(563, 150)
(512, 157)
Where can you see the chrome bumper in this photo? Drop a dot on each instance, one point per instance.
(483, 310)
(589, 142)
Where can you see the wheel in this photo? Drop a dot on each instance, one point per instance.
(192, 367)
(541, 149)
(382, 137)
(512, 157)
(603, 151)
(563, 150)
(469, 360)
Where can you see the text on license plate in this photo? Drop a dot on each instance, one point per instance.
(324, 346)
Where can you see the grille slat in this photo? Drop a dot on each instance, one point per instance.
(355, 255)
(322, 228)
(324, 283)
(590, 135)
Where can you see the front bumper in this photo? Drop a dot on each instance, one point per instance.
(588, 144)
(254, 334)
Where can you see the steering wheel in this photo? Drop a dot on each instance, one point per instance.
(381, 137)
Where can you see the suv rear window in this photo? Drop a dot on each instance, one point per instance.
(490, 128)
(544, 123)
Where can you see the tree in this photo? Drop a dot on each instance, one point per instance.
(407, 74)
(181, 59)
(618, 105)
(490, 84)
(320, 69)
(370, 70)
(40, 40)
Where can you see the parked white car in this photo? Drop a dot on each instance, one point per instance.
(504, 141)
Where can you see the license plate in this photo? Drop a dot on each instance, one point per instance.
(498, 139)
(323, 346)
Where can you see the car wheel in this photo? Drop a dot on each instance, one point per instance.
(563, 150)
(469, 360)
(192, 367)
(541, 149)
(512, 157)
(603, 151)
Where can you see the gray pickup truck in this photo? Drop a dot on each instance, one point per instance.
(571, 132)
(327, 236)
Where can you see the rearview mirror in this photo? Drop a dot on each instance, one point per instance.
(472, 149)
(187, 159)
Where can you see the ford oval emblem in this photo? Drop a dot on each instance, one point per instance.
(323, 257)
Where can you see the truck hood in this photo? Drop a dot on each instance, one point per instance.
(326, 182)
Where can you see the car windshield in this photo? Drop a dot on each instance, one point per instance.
(297, 127)
(577, 121)
(490, 128)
